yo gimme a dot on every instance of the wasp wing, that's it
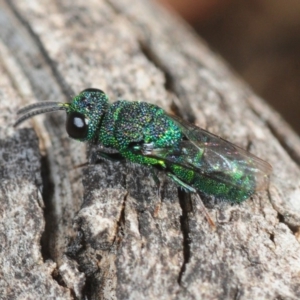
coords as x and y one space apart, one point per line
213 157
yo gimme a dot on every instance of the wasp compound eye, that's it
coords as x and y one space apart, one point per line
77 126
92 90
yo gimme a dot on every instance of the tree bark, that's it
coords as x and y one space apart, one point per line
102 231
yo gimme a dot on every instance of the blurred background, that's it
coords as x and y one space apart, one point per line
259 38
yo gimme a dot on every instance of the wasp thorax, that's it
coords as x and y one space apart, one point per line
85 113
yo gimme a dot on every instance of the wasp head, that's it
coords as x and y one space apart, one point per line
84 113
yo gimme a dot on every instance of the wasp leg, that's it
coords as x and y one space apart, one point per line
81 165
156 180
193 190
158 194
108 156
182 184
101 156
112 156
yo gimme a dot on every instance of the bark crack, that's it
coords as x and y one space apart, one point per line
291 152
65 88
50 219
150 55
47 194
185 111
283 127
186 207
281 218
121 222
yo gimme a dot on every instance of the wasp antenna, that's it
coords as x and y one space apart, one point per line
31 110
37 106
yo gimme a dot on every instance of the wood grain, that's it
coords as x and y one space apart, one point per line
102 231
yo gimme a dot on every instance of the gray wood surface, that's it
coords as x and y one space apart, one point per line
102 231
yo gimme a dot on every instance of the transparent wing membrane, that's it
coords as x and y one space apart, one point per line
214 157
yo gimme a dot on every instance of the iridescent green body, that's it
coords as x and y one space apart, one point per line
127 126
144 133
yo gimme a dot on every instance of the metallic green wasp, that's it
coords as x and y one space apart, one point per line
145 134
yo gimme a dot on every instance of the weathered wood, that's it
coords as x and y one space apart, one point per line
113 236
24 274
